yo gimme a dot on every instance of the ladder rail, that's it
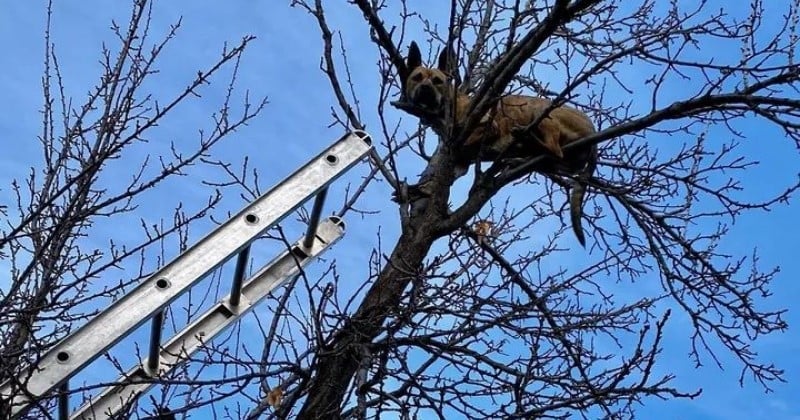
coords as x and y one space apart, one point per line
106 329
131 385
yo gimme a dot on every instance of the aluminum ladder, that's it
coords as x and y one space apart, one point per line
152 296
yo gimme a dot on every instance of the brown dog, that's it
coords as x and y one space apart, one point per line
505 131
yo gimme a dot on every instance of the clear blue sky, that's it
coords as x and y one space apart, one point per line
283 64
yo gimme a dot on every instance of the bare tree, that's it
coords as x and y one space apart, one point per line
457 323
88 176
471 313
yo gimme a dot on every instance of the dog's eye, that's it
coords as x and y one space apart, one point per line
417 77
437 80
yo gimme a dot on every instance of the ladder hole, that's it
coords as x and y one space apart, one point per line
332 159
62 357
162 283
251 218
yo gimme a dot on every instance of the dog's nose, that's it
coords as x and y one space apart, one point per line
426 96
426 89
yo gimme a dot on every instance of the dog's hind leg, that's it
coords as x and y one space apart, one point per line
549 134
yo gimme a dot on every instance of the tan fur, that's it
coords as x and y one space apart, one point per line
498 133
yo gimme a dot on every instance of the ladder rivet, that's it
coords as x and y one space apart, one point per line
251 218
162 283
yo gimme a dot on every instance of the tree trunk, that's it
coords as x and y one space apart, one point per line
338 362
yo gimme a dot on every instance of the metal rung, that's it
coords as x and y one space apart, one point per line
238 274
212 322
110 326
63 401
157 324
313 219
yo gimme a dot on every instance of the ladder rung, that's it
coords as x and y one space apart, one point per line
238 274
313 219
108 327
212 322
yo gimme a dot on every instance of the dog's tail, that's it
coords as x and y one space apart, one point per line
578 193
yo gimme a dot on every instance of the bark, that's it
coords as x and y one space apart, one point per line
341 358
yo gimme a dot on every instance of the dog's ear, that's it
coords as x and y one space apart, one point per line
414 59
447 62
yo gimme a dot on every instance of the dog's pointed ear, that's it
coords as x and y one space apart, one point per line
446 59
414 59
448 63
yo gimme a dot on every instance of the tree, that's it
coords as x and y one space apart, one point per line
448 333
455 321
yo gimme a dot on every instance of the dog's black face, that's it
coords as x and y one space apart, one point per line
426 87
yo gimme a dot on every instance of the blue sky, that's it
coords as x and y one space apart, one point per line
283 64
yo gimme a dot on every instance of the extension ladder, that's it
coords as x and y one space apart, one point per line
150 298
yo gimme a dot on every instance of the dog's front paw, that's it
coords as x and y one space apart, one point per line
400 195
409 193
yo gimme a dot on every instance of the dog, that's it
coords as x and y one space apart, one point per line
506 130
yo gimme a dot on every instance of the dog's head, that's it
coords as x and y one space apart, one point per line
427 87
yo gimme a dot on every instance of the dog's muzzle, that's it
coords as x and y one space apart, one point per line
427 97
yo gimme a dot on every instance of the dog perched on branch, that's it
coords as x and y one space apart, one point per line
516 127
